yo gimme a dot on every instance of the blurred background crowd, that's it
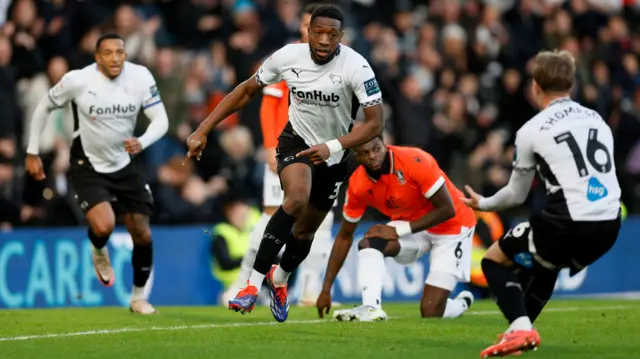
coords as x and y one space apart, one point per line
455 77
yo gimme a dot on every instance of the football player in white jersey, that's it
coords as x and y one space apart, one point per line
105 99
273 118
324 77
571 147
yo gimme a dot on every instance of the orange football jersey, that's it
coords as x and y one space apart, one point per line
403 193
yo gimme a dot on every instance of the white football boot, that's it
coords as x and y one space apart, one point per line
363 313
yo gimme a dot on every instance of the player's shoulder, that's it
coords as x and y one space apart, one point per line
290 53
136 71
359 181
351 54
83 74
407 156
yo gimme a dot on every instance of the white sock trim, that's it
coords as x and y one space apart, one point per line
280 277
521 323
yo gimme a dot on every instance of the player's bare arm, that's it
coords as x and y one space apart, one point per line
236 100
443 211
372 127
339 252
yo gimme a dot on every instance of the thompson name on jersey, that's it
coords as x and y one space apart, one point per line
322 96
105 112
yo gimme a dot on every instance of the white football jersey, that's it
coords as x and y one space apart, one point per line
321 107
571 147
105 111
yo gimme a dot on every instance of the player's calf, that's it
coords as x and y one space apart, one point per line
539 286
101 224
435 302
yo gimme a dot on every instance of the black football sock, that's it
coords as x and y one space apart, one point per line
539 291
98 242
274 238
142 261
506 286
296 252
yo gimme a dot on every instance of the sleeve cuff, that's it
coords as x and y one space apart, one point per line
435 187
351 219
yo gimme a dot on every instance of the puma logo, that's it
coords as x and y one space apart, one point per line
513 284
297 72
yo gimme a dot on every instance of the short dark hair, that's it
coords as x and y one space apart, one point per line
328 11
554 71
310 8
110 36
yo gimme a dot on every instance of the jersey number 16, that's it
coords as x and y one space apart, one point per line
593 145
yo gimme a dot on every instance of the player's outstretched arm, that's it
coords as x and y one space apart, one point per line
516 191
58 96
237 99
511 195
341 247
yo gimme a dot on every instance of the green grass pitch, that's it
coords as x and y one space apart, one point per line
569 329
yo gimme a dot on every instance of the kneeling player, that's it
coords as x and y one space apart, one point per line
407 185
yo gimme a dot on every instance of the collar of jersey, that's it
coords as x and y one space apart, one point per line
559 100
391 166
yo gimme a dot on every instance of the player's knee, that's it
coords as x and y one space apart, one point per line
141 235
103 228
375 243
294 203
303 233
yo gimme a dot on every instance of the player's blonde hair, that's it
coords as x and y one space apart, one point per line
554 71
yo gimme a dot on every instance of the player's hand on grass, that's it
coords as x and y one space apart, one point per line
317 154
323 303
34 167
196 143
473 201
132 145
382 231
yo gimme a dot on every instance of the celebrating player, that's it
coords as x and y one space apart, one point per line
407 185
105 99
324 77
274 114
571 147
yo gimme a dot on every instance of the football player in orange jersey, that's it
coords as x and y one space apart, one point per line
274 114
427 215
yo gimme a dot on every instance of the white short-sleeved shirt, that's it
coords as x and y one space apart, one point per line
322 96
571 147
105 111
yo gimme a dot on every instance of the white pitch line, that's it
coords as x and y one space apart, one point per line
254 324
561 309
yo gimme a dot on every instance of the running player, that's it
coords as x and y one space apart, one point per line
274 115
105 99
407 185
571 147
324 78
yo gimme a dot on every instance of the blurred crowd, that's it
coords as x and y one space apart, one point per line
454 75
